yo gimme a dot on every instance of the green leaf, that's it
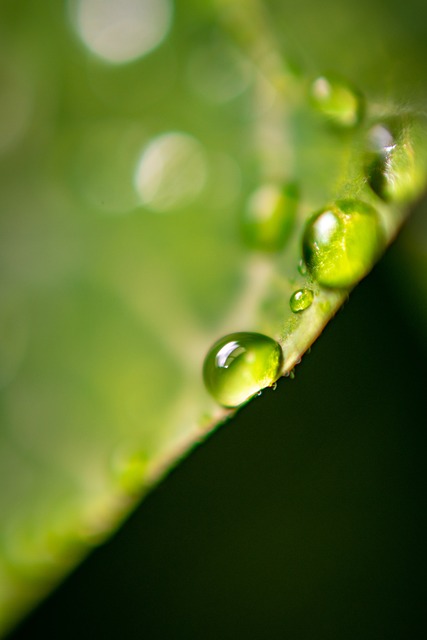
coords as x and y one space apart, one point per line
122 190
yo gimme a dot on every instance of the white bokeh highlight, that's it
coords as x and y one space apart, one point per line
171 172
119 31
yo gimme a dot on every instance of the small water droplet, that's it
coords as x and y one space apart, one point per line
269 217
240 365
292 374
337 100
302 268
342 242
396 158
301 300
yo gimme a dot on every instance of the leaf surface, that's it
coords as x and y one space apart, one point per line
122 191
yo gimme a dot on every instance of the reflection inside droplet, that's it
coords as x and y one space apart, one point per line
228 353
122 30
380 139
326 224
322 88
171 172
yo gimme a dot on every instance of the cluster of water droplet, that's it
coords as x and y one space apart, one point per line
340 243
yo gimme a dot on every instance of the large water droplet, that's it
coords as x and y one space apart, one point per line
342 242
301 300
337 101
396 159
269 217
239 365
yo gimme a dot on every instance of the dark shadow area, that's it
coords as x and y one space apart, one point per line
303 518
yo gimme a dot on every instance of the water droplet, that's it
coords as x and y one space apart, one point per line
171 172
269 217
292 374
396 159
119 31
240 365
301 300
337 100
342 242
302 268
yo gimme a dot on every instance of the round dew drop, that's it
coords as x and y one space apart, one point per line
337 101
239 365
269 217
341 243
301 300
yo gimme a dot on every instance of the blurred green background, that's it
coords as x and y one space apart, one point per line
123 169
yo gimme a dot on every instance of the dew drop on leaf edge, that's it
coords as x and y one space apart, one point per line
241 364
301 300
342 242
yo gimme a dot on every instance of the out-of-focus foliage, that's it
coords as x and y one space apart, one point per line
131 138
